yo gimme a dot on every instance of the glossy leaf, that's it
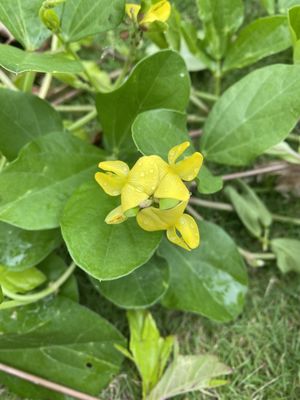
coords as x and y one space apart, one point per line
82 18
221 18
20 249
207 182
294 22
287 252
104 251
53 267
254 114
157 131
17 60
18 128
21 281
21 17
61 341
35 187
250 208
142 288
188 374
259 39
158 81
205 281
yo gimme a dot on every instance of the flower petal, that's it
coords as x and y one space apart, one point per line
158 12
155 219
176 151
132 10
111 184
146 173
116 216
172 187
174 238
117 167
189 168
188 229
132 197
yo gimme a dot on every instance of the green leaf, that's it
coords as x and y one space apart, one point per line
287 252
259 39
35 187
210 280
269 5
142 288
285 152
60 341
104 251
221 18
82 18
284 5
189 374
18 128
21 17
254 114
21 249
294 21
17 60
53 267
150 352
21 281
158 81
250 209
157 131
207 182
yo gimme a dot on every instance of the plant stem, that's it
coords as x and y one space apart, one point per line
48 77
36 380
289 220
206 95
257 171
218 80
75 108
23 299
198 103
28 81
83 121
3 162
294 138
194 119
6 81
124 71
194 213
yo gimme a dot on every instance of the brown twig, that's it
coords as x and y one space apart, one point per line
195 133
194 213
36 380
67 96
257 171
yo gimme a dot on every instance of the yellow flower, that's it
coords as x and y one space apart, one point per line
159 11
171 186
136 185
174 221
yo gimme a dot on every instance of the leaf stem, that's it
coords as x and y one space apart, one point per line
294 138
7 81
83 121
206 95
218 80
282 218
194 119
75 108
199 103
48 77
257 171
22 299
28 81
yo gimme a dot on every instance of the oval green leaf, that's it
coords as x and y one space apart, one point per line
104 251
158 81
142 288
18 128
253 115
21 249
210 280
35 187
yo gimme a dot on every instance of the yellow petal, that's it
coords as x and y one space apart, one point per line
158 12
116 216
111 184
189 233
155 219
176 152
132 10
172 187
146 174
117 167
132 197
189 168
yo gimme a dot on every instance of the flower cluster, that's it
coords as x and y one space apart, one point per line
153 191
